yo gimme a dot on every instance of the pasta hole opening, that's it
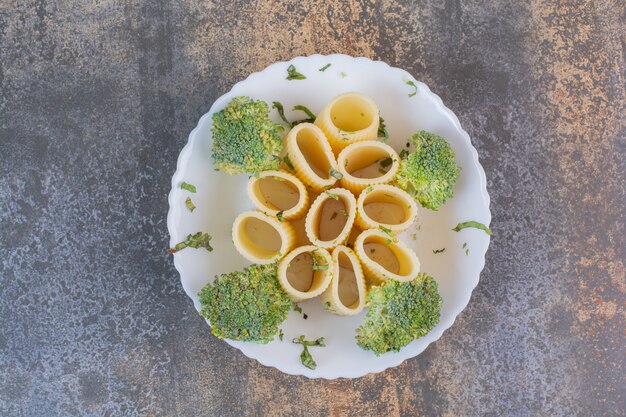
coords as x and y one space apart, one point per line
332 220
368 162
313 152
383 255
260 237
277 193
351 114
300 272
385 208
348 288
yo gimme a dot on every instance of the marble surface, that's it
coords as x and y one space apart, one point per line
97 99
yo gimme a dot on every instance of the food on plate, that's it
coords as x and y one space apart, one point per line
429 172
245 140
305 357
196 240
385 257
473 224
246 305
367 163
399 312
304 273
278 193
330 218
311 156
385 205
345 296
262 239
349 118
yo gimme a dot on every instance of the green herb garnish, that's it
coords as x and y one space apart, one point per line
279 216
389 232
335 173
473 224
384 163
287 162
327 305
281 111
382 129
369 189
334 215
189 187
317 265
412 84
197 240
332 195
325 67
436 251
190 205
308 112
297 308
464 245
404 153
466 252
280 334
292 74
305 356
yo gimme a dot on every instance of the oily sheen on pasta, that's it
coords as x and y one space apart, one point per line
305 272
274 192
345 295
367 163
349 118
330 218
262 239
387 206
311 156
384 257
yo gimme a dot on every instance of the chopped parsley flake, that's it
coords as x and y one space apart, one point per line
436 251
369 189
317 262
335 173
189 187
473 224
279 216
384 163
280 334
287 162
297 308
412 84
308 112
197 240
325 67
305 356
293 74
332 195
334 215
281 111
404 153
382 130
464 245
327 305
389 232
190 205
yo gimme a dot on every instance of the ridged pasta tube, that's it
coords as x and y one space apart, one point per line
305 272
345 295
385 257
364 164
385 205
349 118
330 218
278 193
262 239
311 156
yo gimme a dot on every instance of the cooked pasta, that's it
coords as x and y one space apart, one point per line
368 163
305 272
278 193
384 257
262 239
345 295
349 118
311 156
330 218
385 205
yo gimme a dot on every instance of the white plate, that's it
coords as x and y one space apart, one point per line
221 197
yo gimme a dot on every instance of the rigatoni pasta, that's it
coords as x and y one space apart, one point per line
305 272
385 205
349 118
278 193
330 218
345 295
261 238
368 163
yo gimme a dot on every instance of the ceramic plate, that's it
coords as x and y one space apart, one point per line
221 197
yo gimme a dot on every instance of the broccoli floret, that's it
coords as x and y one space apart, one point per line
399 312
246 305
245 140
429 173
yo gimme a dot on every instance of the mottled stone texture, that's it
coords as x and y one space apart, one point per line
98 98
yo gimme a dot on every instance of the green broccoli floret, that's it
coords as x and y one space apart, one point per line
399 312
245 140
246 305
429 173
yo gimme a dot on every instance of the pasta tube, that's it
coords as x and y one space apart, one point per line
305 272
364 164
330 218
262 239
278 193
385 205
345 295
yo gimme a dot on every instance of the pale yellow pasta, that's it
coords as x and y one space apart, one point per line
274 192
364 164
262 239
311 156
330 218
385 205
385 257
349 118
305 272
345 295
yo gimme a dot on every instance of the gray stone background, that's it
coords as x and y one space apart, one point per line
97 99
